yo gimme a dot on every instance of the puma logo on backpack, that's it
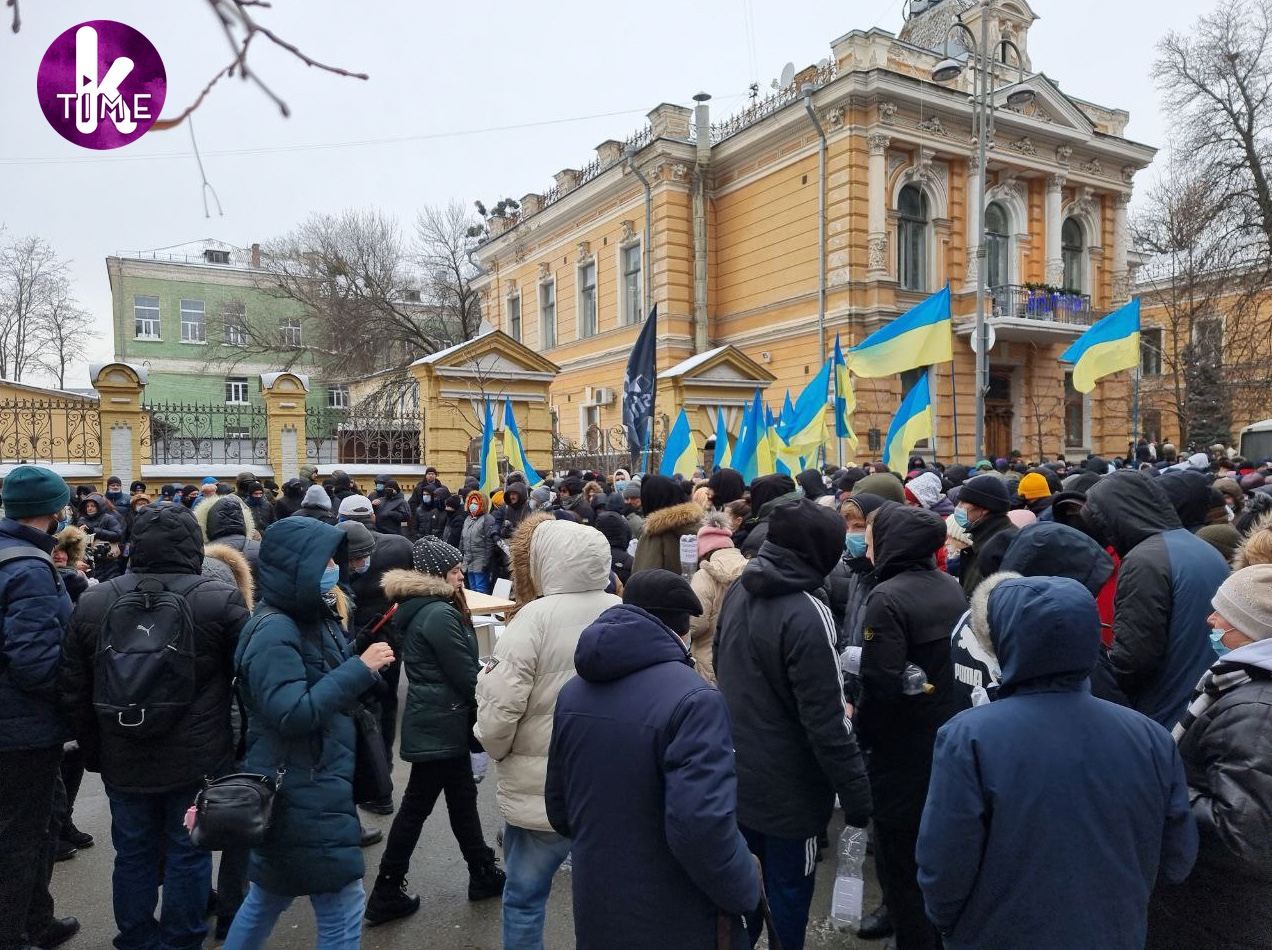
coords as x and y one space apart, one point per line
144 665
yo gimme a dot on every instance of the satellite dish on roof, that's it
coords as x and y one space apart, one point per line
788 75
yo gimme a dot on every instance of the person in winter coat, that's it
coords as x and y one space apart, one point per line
100 520
248 488
560 571
439 650
1035 491
317 505
453 508
726 485
926 489
619 536
908 618
151 777
666 520
430 516
515 509
226 521
298 682
292 497
1096 790
850 584
1168 576
775 663
1227 751
641 780
767 492
476 543
631 509
391 510
570 498
982 513
719 565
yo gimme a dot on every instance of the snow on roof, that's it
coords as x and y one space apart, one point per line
442 354
686 366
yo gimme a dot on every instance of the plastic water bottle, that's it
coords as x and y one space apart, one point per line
914 681
846 901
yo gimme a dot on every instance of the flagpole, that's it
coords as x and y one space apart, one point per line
954 401
1135 410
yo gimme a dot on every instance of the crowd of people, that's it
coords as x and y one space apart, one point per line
1044 687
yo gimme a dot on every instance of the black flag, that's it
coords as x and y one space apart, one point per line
638 385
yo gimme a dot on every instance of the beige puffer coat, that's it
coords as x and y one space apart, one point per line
710 582
568 565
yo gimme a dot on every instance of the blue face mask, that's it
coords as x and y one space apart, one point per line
855 543
363 568
61 525
1216 641
379 486
329 578
961 519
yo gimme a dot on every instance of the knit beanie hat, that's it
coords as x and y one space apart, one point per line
541 496
209 480
887 487
316 497
632 490
432 555
1245 600
355 506
361 541
1033 486
988 492
33 490
666 595
713 536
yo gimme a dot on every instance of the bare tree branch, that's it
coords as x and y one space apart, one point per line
17 16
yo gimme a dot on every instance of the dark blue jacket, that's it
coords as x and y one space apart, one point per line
640 776
299 682
1051 813
34 613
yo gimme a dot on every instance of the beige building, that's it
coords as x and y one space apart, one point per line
827 208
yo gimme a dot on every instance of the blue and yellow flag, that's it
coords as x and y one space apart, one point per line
489 457
921 337
746 449
1110 346
910 426
514 451
845 398
680 455
723 455
806 429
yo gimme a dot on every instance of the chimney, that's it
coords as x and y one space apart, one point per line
670 121
531 203
566 180
609 152
256 255
702 126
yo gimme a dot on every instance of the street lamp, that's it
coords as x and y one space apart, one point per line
983 94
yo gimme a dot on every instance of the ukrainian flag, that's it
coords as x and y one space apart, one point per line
680 455
910 426
922 337
722 453
514 451
1110 346
765 457
845 398
489 457
746 451
806 429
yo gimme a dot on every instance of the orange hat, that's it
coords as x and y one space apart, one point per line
1033 486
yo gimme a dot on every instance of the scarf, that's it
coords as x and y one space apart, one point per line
1219 679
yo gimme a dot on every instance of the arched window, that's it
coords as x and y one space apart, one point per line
997 244
912 229
1071 252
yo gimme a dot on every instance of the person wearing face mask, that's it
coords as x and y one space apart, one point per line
107 528
641 779
115 491
1226 746
982 512
391 510
476 542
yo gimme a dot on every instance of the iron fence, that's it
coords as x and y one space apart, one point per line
1042 303
349 437
604 449
187 433
51 431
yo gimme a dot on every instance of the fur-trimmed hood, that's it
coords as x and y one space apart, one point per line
403 583
73 542
218 518
239 569
522 583
678 518
979 618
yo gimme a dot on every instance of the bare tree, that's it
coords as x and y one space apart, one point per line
1043 406
444 244
65 332
30 276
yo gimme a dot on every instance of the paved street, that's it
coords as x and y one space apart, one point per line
447 921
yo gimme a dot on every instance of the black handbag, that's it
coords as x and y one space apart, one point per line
372 777
234 811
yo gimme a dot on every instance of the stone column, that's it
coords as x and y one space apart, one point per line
974 199
1055 261
125 427
877 241
1121 238
284 395
444 433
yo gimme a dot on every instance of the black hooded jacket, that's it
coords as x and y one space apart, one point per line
619 535
167 545
227 526
776 665
1189 493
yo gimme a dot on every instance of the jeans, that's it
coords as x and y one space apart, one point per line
148 832
789 866
27 780
454 777
531 858
899 881
478 581
339 916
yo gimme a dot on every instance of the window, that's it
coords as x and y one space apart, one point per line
908 378
514 317
1151 352
589 419
1208 341
547 315
289 331
216 257
236 389
234 317
1152 425
192 321
146 318
237 432
912 223
587 300
997 246
1071 253
1074 415
629 262
337 397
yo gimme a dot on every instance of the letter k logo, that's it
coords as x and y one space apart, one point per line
89 90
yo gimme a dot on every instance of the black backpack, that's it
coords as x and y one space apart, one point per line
144 665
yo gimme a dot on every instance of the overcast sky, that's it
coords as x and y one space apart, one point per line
485 101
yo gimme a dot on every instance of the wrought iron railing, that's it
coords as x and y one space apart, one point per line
51 431
604 449
357 437
1038 303
187 433
763 108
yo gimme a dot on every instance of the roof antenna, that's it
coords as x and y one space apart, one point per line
207 186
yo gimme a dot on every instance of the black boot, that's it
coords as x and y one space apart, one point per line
60 930
76 838
370 836
485 880
382 807
876 925
389 900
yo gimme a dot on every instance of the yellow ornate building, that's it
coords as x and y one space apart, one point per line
830 207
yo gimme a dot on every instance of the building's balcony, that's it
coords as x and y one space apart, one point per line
1032 315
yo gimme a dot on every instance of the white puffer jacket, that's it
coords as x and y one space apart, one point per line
568 565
